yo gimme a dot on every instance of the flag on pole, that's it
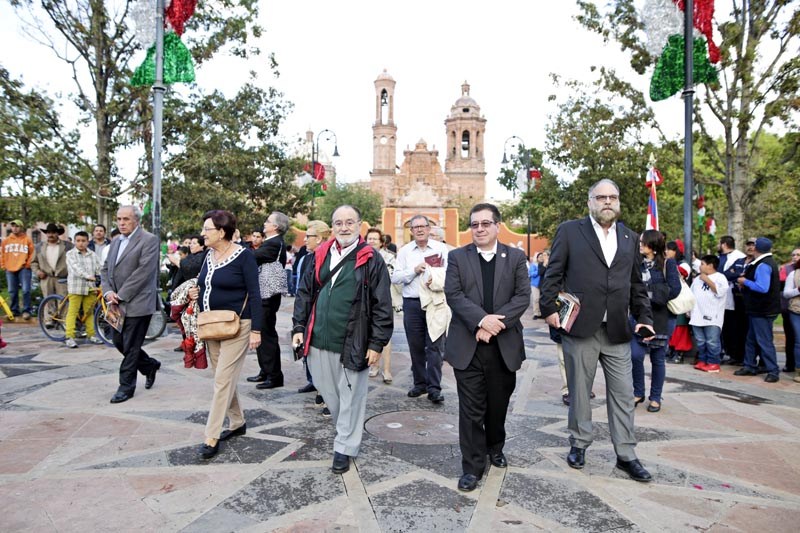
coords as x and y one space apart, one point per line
652 209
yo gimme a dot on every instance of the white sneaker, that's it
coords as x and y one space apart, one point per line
70 343
95 340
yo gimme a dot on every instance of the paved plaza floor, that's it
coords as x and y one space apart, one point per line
723 452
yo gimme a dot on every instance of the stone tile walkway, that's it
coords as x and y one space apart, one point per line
722 450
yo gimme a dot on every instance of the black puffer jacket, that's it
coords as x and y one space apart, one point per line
370 322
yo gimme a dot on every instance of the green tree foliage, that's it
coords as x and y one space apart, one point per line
607 130
355 194
95 38
32 160
223 154
759 87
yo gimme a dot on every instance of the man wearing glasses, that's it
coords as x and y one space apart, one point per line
272 249
413 260
343 317
487 290
597 260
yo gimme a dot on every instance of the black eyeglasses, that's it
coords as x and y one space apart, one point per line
415 228
602 198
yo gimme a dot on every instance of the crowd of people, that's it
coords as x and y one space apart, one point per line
638 297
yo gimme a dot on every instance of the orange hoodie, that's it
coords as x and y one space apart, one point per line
16 252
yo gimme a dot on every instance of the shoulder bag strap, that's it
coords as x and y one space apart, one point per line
244 305
334 270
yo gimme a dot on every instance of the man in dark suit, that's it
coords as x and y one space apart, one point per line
488 290
269 351
130 279
597 260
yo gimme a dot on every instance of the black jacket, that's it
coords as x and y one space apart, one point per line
371 320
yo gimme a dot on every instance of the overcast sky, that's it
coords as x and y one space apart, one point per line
329 54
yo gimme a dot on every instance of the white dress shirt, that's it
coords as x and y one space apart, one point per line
409 256
123 243
608 241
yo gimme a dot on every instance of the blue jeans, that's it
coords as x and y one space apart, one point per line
14 280
759 337
658 358
708 343
795 320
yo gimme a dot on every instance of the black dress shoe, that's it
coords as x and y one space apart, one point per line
257 379
228 433
744 371
151 376
308 388
468 482
415 393
788 369
436 397
772 378
120 397
178 349
270 384
576 458
207 452
498 459
341 463
635 470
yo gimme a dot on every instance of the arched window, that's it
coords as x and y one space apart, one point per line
384 107
465 144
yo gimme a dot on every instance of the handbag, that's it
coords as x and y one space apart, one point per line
683 302
218 325
272 279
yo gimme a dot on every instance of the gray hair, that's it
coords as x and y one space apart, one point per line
601 182
281 222
347 206
137 212
438 231
415 217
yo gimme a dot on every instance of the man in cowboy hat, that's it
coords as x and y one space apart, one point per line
16 254
50 261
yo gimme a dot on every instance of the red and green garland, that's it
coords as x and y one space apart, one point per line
178 66
663 21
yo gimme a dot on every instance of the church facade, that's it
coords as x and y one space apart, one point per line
419 185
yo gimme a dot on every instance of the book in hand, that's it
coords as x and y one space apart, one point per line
434 260
568 308
115 316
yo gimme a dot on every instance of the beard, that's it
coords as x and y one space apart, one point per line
346 240
605 216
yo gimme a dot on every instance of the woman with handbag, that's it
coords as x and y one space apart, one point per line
661 277
229 320
791 291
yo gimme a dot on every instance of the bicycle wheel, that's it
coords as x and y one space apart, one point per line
53 317
158 322
102 328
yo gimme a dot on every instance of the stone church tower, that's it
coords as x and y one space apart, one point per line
418 185
464 163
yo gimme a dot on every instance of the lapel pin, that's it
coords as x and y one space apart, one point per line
503 254
626 236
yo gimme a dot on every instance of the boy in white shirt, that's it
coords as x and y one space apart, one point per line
83 270
710 289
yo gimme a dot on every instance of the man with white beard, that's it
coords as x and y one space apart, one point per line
343 316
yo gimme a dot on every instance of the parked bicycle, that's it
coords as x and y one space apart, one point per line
53 319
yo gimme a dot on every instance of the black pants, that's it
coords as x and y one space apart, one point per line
426 354
484 390
269 351
129 344
734 332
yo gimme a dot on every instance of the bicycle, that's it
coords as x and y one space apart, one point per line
53 319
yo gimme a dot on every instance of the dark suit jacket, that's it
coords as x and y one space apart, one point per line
271 250
463 288
135 276
577 264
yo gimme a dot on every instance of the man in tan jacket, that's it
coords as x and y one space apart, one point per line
50 261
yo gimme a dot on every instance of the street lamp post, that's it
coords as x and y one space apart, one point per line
525 158
315 154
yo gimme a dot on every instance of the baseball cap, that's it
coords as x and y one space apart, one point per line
751 240
16 222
